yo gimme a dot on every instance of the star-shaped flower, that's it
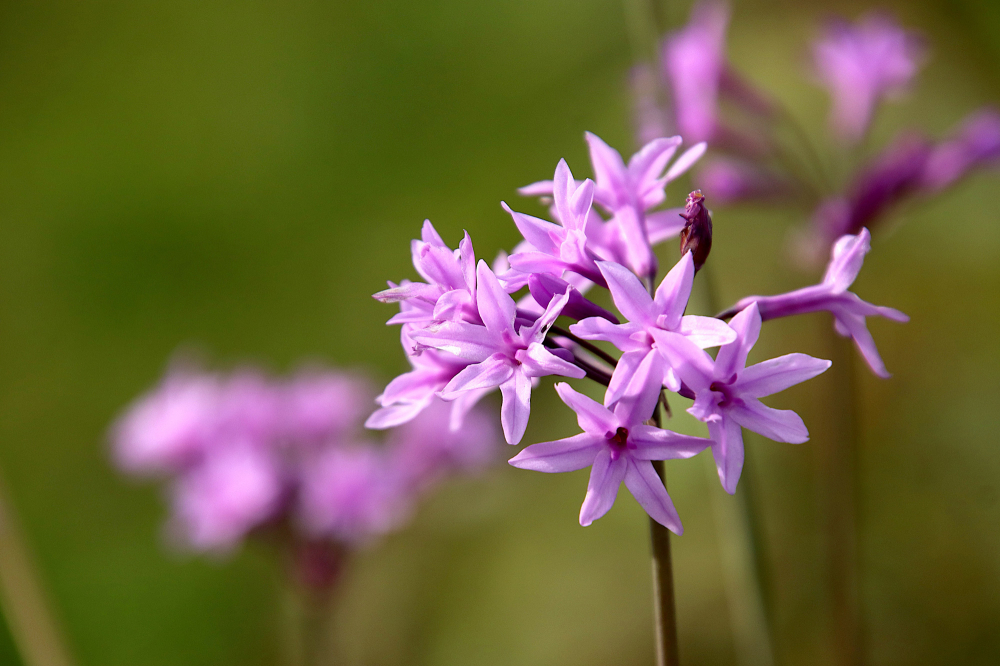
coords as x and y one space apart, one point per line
617 446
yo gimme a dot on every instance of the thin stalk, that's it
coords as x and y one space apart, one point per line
35 631
840 469
745 569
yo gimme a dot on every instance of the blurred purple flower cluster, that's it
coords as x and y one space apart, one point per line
860 65
244 452
466 335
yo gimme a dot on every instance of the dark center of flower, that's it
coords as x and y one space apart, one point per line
620 438
724 388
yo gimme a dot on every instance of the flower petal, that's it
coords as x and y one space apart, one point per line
846 260
673 293
516 408
642 391
733 357
692 364
620 335
496 307
606 476
663 225
609 171
490 373
706 331
467 341
686 161
537 361
592 416
563 455
659 444
781 425
629 295
777 374
542 235
856 327
626 368
727 451
648 490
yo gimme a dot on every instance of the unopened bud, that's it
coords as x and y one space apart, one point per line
696 236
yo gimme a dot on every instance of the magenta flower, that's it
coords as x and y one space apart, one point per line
499 354
449 292
640 370
628 194
351 495
848 310
861 64
320 405
235 488
410 393
617 446
726 392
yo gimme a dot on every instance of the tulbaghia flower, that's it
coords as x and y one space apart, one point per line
860 64
694 61
726 392
425 450
848 310
167 429
320 405
628 193
499 354
351 495
617 446
450 288
235 488
975 143
641 370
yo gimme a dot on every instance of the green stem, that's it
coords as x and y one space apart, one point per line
32 624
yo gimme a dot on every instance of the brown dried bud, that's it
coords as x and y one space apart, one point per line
697 233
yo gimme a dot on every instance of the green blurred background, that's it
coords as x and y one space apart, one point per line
241 176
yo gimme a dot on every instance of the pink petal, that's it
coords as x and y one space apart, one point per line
496 307
592 416
490 373
733 357
648 490
728 451
695 367
542 188
781 425
686 161
466 341
642 391
397 414
468 259
664 225
706 331
629 295
673 293
537 262
598 328
516 407
609 171
537 361
646 165
430 235
658 444
564 455
846 259
542 235
626 368
777 374
605 478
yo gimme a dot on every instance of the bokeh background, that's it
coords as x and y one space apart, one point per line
239 177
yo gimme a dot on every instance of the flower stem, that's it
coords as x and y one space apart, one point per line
665 611
32 625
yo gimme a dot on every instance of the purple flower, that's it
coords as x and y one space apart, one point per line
320 405
848 310
726 392
860 64
449 292
975 143
351 495
694 61
731 180
410 393
617 446
628 194
425 450
640 370
499 354
167 429
235 488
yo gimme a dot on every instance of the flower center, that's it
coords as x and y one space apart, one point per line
725 389
618 442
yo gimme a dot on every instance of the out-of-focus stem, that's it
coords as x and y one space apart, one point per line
32 624
839 469
738 531
664 608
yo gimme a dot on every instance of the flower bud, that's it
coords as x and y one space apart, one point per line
697 233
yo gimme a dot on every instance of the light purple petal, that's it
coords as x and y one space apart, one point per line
658 444
542 235
858 330
537 361
564 455
468 261
606 477
537 331
430 235
686 161
542 188
626 368
538 262
706 331
466 341
592 416
609 171
490 373
694 367
648 490
620 335
635 242
733 357
777 374
663 225
846 259
461 406
397 414
674 291
496 307
642 391
727 451
781 425
516 408
629 295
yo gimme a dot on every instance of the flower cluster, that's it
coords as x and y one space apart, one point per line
245 452
860 65
465 333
